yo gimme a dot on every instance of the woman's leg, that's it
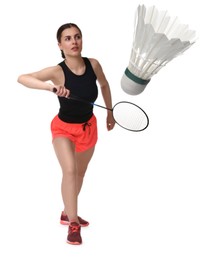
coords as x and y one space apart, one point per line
65 151
82 161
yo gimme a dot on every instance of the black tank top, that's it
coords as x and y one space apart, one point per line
83 86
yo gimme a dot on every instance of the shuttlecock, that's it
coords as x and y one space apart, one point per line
158 38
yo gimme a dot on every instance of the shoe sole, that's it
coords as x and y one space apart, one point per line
62 222
74 243
66 223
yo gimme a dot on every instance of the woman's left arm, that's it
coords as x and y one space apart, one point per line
105 90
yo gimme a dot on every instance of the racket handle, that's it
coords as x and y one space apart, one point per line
54 90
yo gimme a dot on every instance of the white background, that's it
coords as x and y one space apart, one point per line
144 193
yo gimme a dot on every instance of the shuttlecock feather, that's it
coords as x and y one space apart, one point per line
158 38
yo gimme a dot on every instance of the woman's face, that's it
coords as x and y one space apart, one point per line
71 42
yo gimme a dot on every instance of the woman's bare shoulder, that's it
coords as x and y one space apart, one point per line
53 73
95 64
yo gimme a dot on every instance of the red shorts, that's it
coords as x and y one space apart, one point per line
83 135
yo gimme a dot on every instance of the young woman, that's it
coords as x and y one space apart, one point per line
74 128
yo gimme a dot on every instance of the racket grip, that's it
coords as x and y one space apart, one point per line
54 90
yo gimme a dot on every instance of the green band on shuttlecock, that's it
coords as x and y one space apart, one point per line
135 78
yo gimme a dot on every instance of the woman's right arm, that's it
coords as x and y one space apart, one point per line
39 79
43 80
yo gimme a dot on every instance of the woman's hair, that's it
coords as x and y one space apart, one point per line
61 29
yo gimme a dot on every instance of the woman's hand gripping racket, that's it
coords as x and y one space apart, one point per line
126 114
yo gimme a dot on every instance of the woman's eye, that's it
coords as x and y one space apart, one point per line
77 37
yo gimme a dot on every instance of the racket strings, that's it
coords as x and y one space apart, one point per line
130 116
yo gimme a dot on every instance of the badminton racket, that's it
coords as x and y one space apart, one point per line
126 114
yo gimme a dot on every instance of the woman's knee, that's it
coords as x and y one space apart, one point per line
69 172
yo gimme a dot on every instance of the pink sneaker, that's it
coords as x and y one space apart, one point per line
65 221
74 236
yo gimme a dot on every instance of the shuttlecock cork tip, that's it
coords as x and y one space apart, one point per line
131 84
